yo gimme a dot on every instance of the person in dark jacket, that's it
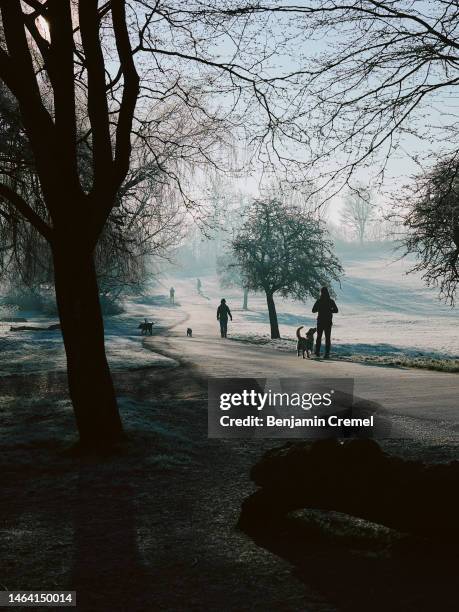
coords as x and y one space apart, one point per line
222 315
325 308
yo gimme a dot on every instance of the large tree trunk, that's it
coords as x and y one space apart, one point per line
90 382
245 300
272 316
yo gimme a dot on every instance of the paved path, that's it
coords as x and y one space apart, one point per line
422 400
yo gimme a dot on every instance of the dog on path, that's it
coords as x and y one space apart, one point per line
305 344
146 328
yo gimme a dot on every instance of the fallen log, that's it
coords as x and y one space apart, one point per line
53 327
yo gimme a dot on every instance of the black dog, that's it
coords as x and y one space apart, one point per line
146 328
189 332
305 345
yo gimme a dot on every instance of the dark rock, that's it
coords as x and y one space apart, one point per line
356 478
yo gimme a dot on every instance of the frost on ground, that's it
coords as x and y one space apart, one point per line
43 351
44 425
385 316
375 354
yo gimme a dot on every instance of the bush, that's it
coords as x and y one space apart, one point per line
110 305
23 299
43 300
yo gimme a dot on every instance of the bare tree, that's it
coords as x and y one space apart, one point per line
83 67
358 211
382 66
282 251
385 72
145 223
430 219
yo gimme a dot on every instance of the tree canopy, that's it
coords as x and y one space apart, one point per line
283 250
429 217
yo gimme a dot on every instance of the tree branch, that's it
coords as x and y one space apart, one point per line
26 211
130 91
97 99
60 21
17 71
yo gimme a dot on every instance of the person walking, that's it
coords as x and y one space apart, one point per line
325 308
172 295
222 315
198 285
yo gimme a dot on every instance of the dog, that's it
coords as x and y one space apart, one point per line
146 328
189 332
305 345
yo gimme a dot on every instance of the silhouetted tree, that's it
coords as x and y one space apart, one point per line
430 218
76 69
386 65
145 221
283 251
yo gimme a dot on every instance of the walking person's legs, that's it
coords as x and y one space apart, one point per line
319 340
223 327
327 331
